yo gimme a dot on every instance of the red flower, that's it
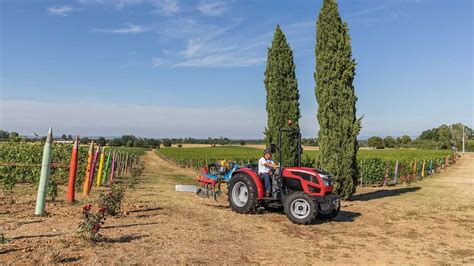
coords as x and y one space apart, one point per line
102 210
87 208
95 228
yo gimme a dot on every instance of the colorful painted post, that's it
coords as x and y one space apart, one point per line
45 172
106 170
395 172
72 172
415 170
101 166
85 190
431 167
94 163
112 171
423 169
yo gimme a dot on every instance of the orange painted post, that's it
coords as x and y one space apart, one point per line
94 163
72 172
85 190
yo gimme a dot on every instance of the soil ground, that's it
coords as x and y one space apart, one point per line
429 222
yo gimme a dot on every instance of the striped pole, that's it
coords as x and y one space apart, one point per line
85 190
106 170
94 163
45 172
101 166
72 172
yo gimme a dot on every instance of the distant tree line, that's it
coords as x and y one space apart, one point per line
442 137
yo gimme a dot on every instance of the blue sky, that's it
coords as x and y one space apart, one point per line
175 68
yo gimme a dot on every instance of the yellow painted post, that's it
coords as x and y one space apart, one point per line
101 167
423 169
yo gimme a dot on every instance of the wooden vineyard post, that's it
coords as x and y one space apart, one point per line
112 171
72 172
45 172
385 179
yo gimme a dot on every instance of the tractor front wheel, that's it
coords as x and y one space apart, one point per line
300 208
242 194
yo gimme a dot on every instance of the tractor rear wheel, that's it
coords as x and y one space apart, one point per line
300 208
242 194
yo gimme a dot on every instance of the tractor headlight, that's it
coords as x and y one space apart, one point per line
327 180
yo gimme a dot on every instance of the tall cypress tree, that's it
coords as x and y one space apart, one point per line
339 127
282 96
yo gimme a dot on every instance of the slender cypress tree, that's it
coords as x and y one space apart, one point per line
282 96
339 127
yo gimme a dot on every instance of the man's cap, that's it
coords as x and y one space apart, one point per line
267 151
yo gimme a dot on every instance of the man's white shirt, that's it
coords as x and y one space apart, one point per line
262 169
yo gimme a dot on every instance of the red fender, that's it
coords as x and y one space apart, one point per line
256 180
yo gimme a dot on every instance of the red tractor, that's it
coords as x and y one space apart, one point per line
304 193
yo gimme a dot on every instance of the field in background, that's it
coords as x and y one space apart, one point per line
374 166
251 154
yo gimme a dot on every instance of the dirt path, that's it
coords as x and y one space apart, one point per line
429 222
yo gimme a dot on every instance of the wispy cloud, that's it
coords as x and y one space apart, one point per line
128 29
161 7
212 8
115 3
156 61
62 11
165 7
222 60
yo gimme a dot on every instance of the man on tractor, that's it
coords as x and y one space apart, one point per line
265 167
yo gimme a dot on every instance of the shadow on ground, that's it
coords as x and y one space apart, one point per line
383 193
128 225
124 239
146 210
34 236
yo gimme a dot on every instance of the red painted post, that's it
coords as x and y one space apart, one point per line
72 172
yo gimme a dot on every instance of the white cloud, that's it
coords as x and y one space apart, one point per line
210 8
129 28
156 61
222 60
141 120
166 7
61 11
193 47
115 3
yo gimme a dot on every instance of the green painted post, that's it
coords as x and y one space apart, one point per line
107 165
45 171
